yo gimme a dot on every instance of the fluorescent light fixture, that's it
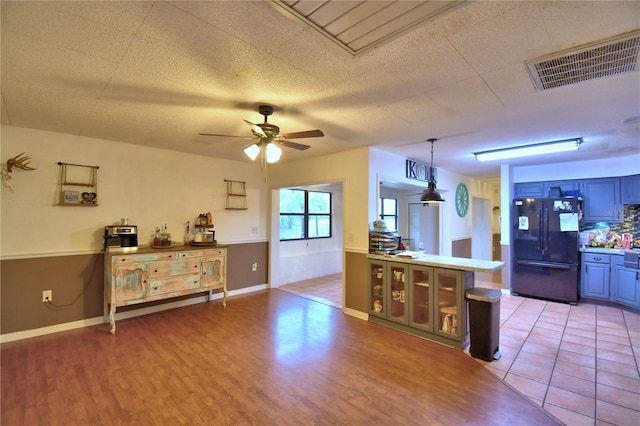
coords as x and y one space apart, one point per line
252 151
528 150
273 153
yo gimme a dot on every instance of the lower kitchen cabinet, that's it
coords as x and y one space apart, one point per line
625 284
595 275
604 277
377 288
422 300
397 293
148 275
421 297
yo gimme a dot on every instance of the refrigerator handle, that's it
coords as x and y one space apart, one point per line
540 230
546 229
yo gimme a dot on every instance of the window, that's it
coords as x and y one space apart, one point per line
389 212
304 214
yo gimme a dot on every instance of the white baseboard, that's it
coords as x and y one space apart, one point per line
356 314
19 335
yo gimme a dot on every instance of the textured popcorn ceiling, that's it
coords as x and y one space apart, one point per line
160 73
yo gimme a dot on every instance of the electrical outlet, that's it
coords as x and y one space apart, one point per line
47 296
254 266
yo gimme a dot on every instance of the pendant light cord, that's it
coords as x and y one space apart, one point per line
431 168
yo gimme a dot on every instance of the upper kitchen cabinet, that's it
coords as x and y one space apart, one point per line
529 190
631 189
545 189
602 200
568 187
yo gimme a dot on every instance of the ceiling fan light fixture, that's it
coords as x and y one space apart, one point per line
431 195
529 150
273 152
252 151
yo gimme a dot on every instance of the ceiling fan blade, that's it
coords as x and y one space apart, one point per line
257 130
293 145
306 134
225 136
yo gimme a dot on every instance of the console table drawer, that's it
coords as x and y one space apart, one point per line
176 284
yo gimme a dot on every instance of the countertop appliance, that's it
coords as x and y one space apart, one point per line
545 248
120 236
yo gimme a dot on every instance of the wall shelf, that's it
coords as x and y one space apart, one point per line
76 176
236 195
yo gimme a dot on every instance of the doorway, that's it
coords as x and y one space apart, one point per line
311 268
424 226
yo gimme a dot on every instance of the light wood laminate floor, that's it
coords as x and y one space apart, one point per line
580 363
268 358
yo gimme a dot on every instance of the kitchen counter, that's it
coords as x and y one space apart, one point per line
458 263
603 250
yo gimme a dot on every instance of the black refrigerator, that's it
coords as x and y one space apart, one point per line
545 238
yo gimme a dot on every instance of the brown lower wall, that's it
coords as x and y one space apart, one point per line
355 277
461 248
81 277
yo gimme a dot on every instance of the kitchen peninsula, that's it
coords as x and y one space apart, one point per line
424 295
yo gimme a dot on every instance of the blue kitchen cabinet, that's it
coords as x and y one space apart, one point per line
595 276
631 189
529 190
542 189
602 200
566 186
625 283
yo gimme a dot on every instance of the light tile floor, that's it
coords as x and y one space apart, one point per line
581 363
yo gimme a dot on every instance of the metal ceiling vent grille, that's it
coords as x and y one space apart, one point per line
613 56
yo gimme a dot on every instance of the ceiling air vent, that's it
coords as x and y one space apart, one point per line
613 56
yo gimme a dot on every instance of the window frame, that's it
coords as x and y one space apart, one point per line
306 215
383 215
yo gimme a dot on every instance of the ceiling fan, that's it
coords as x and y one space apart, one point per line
269 137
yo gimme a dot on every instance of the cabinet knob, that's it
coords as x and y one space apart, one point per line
170 256
597 258
155 270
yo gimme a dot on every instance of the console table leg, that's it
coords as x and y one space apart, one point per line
112 319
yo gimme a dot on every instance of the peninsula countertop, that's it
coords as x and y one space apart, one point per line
459 263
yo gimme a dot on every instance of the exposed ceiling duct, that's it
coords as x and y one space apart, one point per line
615 55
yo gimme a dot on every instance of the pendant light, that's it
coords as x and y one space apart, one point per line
431 194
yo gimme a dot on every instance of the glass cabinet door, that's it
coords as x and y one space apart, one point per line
377 278
448 301
397 295
421 297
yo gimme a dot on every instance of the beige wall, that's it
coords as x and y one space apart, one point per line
148 186
351 169
49 247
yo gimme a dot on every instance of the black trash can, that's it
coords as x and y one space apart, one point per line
484 322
